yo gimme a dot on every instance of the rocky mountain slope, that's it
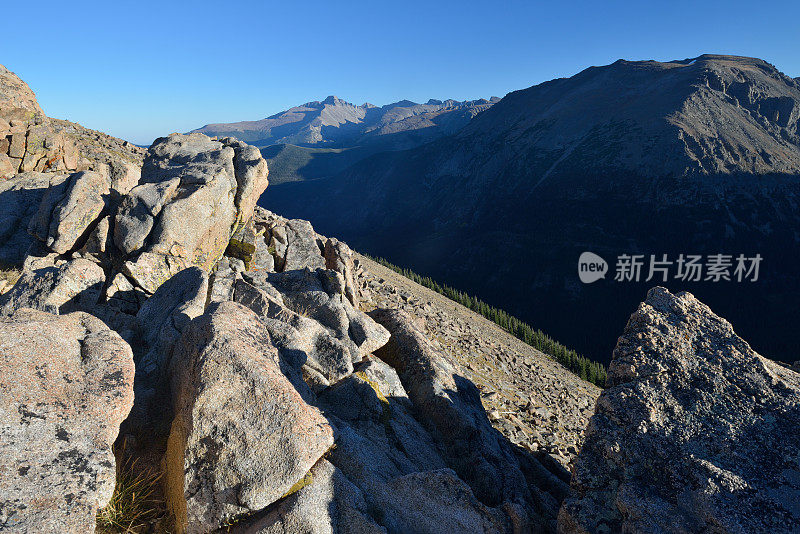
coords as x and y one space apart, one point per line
688 157
526 395
266 379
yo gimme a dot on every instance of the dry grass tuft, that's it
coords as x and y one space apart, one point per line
304 309
136 502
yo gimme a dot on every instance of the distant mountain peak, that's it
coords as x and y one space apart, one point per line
401 104
336 122
712 114
333 100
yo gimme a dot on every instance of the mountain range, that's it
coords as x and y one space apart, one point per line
320 139
177 358
697 156
334 122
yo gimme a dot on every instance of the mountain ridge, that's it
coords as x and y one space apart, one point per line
633 157
336 122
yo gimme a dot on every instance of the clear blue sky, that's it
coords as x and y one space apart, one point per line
143 69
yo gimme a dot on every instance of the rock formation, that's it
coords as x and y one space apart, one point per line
695 432
30 141
26 141
256 375
451 406
20 202
281 383
193 195
529 398
46 150
72 285
242 435
66 385
165 315
309 316
331 504
63 231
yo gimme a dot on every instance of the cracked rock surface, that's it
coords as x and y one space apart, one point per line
695 433
242 435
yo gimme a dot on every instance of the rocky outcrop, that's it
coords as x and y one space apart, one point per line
67 211
31 141
695 433
61 229
242 436
388 447
339 258
72 286
66 385
120 160
302 249
194 195
310 318
15 95
327 504
530 398
251 176
392 458
27 141
37 155
439 501
167 313
20 198
451 407
134 249
195 192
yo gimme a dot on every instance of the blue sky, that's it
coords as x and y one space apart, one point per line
143 69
